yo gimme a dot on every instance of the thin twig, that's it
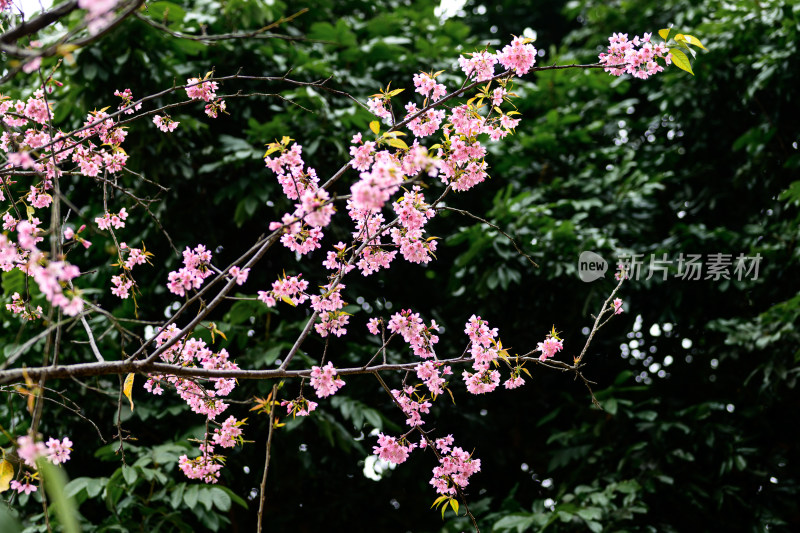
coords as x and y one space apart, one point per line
268 453
506 235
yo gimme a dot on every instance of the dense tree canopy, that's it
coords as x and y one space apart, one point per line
694 382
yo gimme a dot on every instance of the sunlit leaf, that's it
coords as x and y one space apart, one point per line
127 388
680 60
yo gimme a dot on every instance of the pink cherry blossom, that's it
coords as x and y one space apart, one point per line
324 380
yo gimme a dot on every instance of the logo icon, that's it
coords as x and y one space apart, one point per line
591 266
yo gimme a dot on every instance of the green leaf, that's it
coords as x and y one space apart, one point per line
595 527
165 12
13 281
590 513
680 60
374 418
204 497
55 481
519 521
129 474
177 495
221 499
8 524
235 498
75 486
610 406
191 495
114 489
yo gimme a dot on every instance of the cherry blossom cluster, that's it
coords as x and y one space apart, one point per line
484 351
389 449
205 467
335 260
70 234
191 352
412 405
636 57
196 268
23 309
329 305
430 374
413 213
56 451
122 283
617 305
455 468
229 434
111 219
127 102
377 106
519 56
483 380
165 123
427 86
549 347
216 107
92 159
290 289
51 276
324 380
424 125
414 331
206 91
299 406
30 450
239 275
100 13
201 90
302 229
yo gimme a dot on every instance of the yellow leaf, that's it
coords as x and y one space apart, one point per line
260 404
6 475
437 501
375 126
691 39
288 301
65 49
127 388
397 143
454 505
680 60
664 33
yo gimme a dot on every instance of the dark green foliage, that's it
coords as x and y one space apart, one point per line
706 164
